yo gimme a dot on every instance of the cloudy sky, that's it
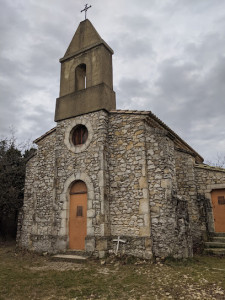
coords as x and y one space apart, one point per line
169 58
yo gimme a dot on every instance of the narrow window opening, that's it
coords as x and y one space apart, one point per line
221 200
80 77
79 211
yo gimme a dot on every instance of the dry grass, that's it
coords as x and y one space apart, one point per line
29 276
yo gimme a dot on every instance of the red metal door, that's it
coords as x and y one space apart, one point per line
218 203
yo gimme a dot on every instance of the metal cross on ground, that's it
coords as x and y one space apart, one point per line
85 9
118 240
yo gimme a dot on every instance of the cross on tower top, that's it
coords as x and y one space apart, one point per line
85 9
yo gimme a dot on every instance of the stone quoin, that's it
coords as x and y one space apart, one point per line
128 175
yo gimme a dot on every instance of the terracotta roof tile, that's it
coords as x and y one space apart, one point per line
153 116
134 112
207 167
44 135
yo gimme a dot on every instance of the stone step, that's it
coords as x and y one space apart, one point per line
70 258
214 245
215 251
77 252
217 234
219 239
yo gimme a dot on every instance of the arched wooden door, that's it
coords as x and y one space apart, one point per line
218 203
78 216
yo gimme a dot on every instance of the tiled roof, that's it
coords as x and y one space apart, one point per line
44 135
144 113
133 112
207 167
32 155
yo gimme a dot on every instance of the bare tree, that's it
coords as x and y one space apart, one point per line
219 161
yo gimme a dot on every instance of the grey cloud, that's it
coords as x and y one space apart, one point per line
198 7
195 106
206 52
132 93
34 122
131 48
136 24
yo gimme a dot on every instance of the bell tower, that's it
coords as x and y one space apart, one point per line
86 83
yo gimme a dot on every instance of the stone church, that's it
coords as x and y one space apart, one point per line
104 174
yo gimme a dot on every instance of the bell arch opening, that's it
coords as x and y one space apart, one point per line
80 77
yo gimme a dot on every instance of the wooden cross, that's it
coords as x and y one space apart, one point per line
118 240
85 9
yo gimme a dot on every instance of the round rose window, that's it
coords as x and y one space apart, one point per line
79 135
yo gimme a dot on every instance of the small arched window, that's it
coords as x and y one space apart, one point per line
80 77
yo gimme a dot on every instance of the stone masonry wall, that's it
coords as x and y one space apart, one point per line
51 173
186 183
129 169
87 163
36 216
169 214
208 176
129 198
127 158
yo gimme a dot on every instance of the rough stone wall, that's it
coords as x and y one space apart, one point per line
129 197
206 177
36 216
129 169
88 165
143 191
126 166
56 165
169 215
186 183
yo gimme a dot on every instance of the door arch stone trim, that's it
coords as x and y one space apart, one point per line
65 198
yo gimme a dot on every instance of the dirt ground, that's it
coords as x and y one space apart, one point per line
25 275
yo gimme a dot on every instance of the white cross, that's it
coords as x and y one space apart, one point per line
118 240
